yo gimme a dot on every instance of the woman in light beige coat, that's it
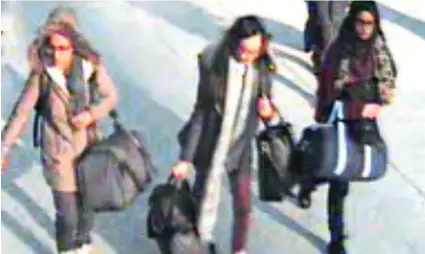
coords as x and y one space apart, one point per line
64 64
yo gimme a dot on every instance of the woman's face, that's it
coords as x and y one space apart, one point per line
62 50
364 25
251 48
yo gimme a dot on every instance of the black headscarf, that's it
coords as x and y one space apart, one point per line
350 44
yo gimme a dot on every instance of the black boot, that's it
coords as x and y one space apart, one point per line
337 193
308 185
337 247
209 248
304 198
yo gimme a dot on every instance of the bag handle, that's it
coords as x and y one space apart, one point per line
93 91
337 115
175 182
337 112
113 115
178 184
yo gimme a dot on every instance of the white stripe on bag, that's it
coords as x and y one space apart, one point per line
367 161
342 150
337 113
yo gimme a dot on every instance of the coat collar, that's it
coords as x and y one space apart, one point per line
59 79
218 72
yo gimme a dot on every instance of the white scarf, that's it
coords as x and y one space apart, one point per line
234 121
59 78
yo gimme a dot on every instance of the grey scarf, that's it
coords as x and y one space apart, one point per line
238 95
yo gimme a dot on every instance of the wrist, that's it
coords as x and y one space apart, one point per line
185 162
91 115
4 150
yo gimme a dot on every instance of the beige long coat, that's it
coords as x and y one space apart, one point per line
59 150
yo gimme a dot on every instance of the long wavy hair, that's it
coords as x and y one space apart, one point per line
244 27
40 52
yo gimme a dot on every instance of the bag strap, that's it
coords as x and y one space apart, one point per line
40 107
337 112
337 115
93 91
178 184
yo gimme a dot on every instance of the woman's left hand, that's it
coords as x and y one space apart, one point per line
83 119
265 108
371 110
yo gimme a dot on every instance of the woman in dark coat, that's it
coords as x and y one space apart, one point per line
359 70
217 138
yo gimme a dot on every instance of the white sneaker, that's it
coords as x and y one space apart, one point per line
85 249
75 251
240 252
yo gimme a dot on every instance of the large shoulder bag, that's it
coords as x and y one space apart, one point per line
343 150
113 171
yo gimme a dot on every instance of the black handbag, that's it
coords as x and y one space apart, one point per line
172 218
113 171
173 209
276 174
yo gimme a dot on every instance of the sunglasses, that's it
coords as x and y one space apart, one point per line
247 51
61 48
365 22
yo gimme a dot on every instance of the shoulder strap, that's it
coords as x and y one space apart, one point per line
40 107
93 91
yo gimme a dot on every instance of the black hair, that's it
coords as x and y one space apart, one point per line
243 27
348 26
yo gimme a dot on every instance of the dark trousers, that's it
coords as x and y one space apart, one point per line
338 191
73 223
240 181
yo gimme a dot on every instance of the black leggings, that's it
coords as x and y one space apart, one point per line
73 224
338 191
336 199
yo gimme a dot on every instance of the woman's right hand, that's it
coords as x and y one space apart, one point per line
181 169
4 164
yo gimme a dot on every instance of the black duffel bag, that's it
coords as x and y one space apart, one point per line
343 150
276 176
173 209
172 218
114 170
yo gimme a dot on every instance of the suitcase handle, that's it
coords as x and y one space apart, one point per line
175 182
